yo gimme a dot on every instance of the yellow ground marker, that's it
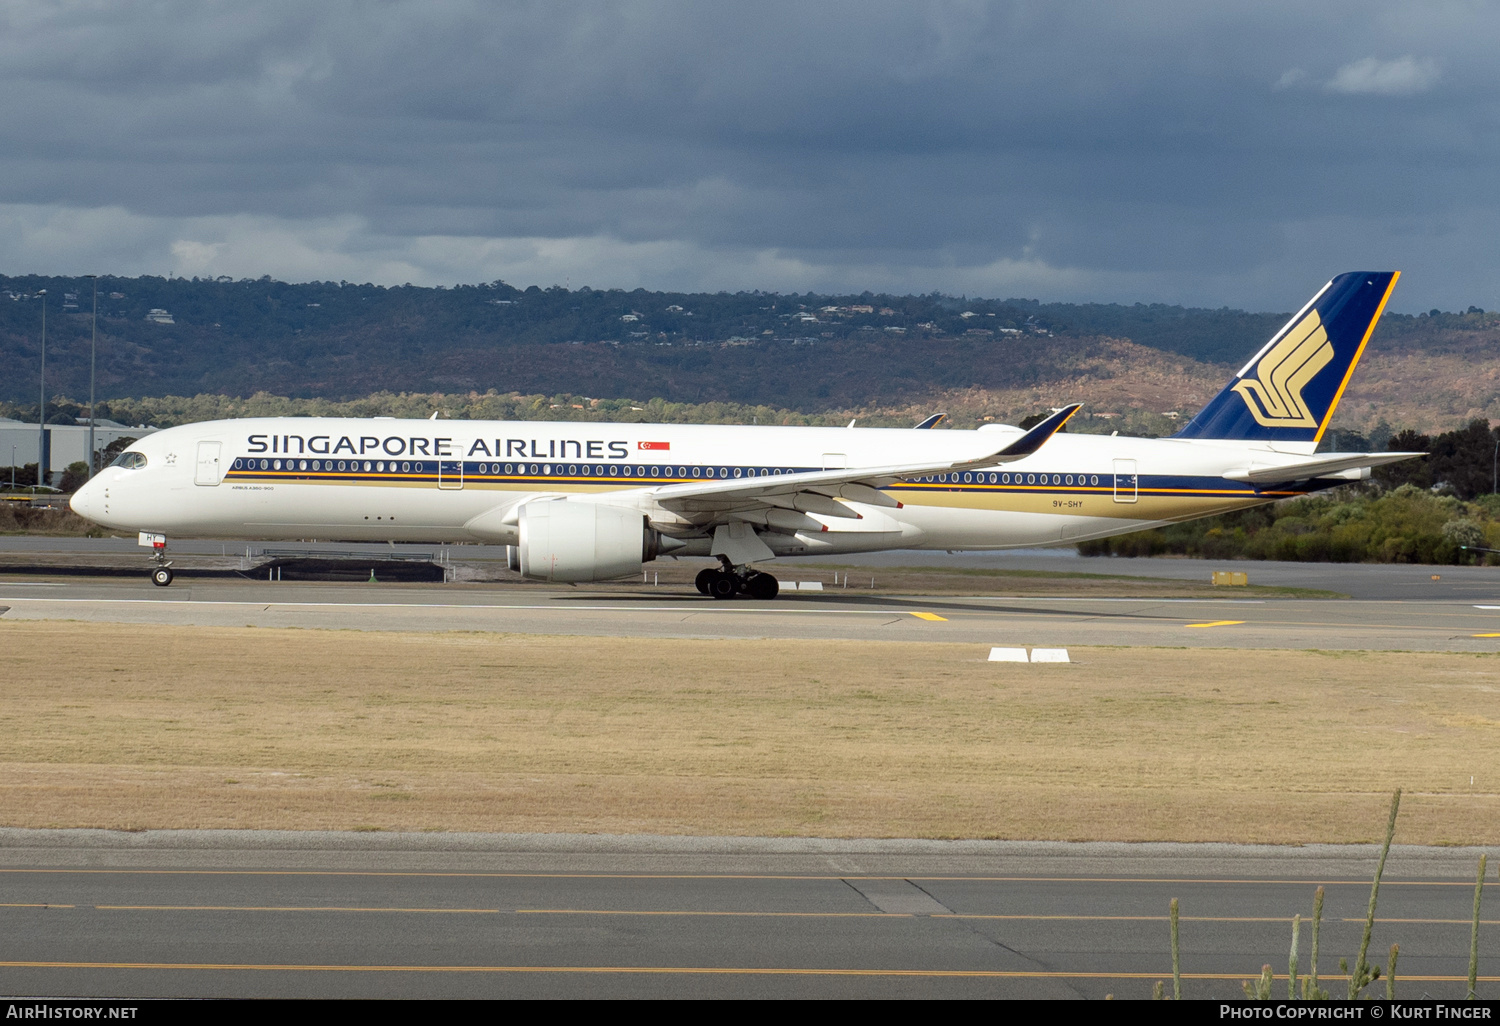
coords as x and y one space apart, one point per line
930 616
1485 635
1216 623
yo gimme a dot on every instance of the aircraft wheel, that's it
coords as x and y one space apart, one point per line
762 586
161 577
722 585
704 579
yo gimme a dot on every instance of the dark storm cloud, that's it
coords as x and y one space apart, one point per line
1204 153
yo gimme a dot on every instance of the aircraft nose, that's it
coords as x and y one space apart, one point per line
85 500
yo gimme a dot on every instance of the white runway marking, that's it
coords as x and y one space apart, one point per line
914 599
449 605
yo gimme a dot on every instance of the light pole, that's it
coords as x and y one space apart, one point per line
93 345
13 468
41 410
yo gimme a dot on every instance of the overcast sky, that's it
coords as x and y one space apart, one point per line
1209 154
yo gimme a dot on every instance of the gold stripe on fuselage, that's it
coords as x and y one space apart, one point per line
1148 504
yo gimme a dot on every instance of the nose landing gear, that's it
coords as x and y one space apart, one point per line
161 567
731 581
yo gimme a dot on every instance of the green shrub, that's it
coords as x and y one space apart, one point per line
1355 524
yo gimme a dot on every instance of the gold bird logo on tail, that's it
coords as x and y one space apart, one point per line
1274 394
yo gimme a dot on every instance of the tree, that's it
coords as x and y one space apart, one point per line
75 477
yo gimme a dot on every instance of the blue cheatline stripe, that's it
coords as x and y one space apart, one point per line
544 473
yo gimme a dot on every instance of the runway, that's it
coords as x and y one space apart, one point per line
1382 581
249 914
1467 625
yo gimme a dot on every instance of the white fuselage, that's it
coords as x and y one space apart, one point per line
453 481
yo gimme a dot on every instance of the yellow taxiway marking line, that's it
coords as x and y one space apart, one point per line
1307 881
654 970
1485 635
671 912
496 911
1191 919
1215 623
289 908
1020 917
930 616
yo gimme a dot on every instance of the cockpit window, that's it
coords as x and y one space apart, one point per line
130 460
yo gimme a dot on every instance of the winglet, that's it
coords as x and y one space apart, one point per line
1034 439
932 421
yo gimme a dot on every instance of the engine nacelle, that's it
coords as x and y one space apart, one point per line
582 541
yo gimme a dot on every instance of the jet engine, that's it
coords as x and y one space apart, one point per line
582 541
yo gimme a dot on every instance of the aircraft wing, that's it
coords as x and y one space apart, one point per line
814 491
1323 466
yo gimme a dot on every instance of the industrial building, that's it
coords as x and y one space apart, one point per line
62 444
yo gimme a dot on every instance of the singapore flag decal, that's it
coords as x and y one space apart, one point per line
654 445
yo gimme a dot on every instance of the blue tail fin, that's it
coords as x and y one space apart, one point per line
1289 390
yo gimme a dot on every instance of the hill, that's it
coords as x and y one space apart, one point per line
810 353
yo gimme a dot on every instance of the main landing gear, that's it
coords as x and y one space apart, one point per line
730 581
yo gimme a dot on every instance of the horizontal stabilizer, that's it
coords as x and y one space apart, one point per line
1323 466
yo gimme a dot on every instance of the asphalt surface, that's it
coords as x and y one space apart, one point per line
260 914
1466 625
1386 582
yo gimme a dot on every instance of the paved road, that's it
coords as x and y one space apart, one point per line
1435 625
1358 580
274 914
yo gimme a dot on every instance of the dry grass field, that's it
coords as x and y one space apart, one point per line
136 727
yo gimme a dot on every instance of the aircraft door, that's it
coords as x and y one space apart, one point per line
450 474
1127 484
206 471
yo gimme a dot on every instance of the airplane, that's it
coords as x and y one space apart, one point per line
577 502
